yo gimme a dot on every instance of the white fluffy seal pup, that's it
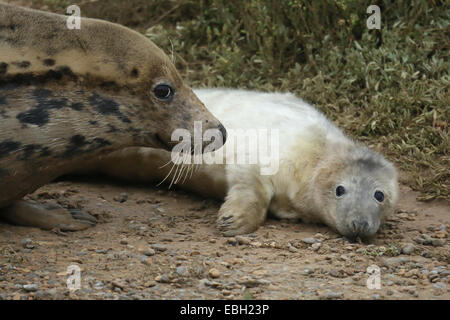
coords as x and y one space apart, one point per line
321 174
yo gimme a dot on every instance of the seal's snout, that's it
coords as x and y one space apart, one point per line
359 227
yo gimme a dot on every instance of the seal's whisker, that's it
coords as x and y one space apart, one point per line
168 174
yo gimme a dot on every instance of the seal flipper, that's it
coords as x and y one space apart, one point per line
244 210
46 216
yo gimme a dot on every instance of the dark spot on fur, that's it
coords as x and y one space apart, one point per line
78 106
107 106
42 93
39 114
48 62
187 117
8 146
31 78
11 27
8 86
111 128
135 73
22 64
45 152
36 116
79 145
3 68
30 149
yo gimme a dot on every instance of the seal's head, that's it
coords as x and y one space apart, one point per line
355 191
125 73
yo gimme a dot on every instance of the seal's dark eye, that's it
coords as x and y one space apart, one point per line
340 190
163 92
379 196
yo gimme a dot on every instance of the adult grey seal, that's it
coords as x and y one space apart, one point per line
67 96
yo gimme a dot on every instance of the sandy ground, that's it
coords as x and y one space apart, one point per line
158 244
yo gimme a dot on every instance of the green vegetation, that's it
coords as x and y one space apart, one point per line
387 88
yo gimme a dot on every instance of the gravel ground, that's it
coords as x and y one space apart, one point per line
158 244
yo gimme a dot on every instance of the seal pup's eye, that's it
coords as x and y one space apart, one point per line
340 190
379 196
163 92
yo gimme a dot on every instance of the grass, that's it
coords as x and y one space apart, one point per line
388 88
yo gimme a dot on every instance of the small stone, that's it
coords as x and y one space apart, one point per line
334 273
226 292
27 243
309 240
291 248
183 271
438 242
307 271
121 198
147 260
31 287
232 241
214 273
117 284
242 240
163 278
393 262
159 247
316 246
124 242
408 248
376 296
330 295
145 250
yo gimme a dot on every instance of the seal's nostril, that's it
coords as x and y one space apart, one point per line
354 226
364 226
224 133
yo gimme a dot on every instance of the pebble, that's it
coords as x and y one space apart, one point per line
159 247
316 246
394 261
147 251
423 239
121 198
438 242
331 295
118 284
183 271
27 243
214 273
291 248
31 287
307 271
164 278
310 240
408 248
334 273
242 240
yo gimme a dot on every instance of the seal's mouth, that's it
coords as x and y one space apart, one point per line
161 143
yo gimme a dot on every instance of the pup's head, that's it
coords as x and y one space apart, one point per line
355 190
